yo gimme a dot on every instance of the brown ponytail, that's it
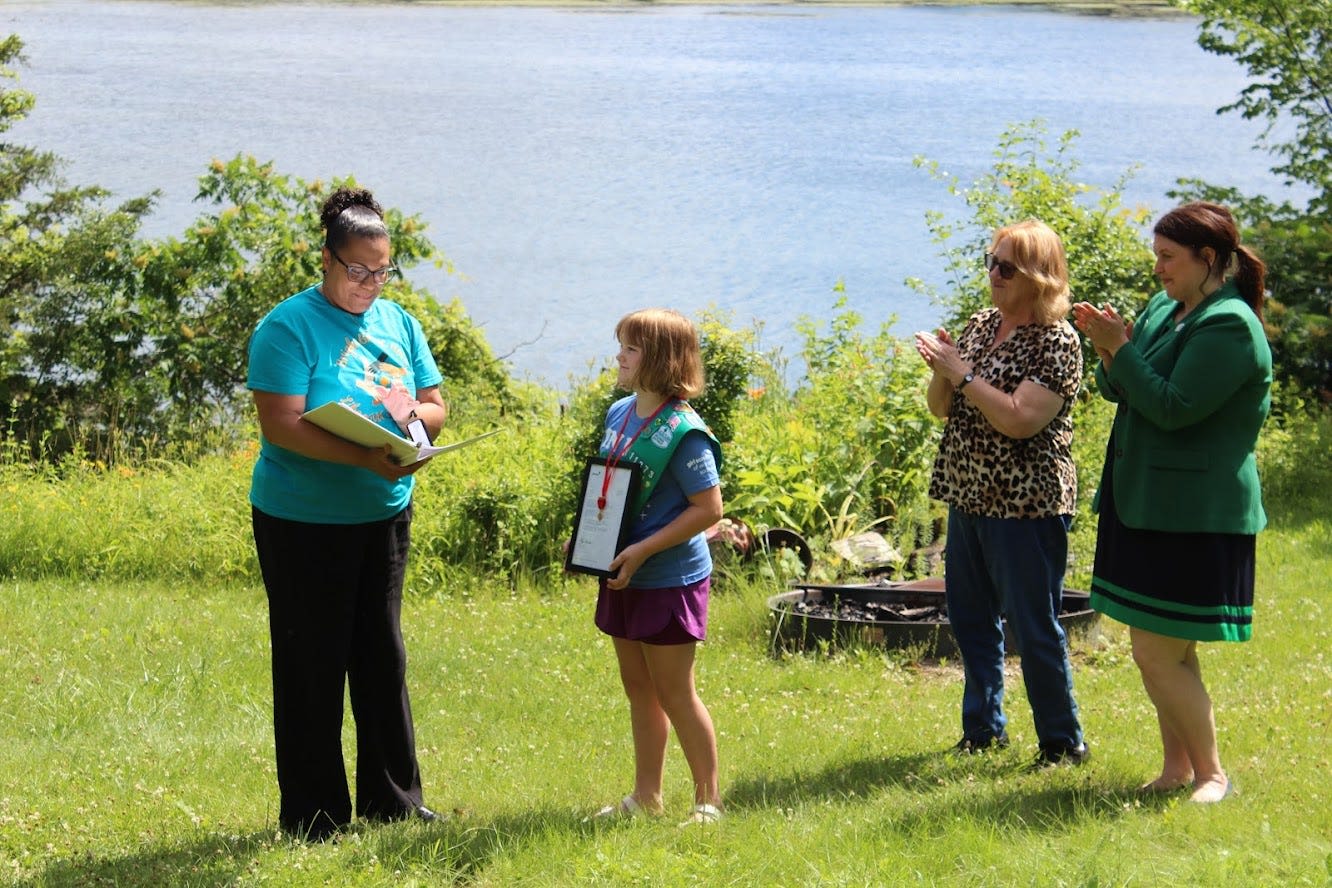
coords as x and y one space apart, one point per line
1249 278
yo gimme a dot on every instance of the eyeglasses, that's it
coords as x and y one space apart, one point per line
1006 269
359 274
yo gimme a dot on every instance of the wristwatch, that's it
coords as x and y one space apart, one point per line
966 380
416 429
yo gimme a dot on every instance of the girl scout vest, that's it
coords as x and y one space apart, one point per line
654 446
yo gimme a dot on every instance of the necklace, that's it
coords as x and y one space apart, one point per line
616 451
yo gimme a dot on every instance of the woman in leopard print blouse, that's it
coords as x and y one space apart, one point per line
1005 388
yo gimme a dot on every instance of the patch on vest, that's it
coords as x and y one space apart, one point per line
662 436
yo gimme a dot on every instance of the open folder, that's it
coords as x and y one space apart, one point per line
345 422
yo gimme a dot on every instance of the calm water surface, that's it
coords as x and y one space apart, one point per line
576 164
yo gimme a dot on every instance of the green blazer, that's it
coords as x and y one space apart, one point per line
1192 398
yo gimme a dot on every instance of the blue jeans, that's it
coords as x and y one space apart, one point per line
1014 568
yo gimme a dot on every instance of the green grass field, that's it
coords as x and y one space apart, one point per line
135 749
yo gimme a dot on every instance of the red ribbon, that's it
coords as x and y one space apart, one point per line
613 459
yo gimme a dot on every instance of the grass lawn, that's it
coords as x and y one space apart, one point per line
135 749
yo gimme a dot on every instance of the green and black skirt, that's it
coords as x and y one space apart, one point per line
1197 586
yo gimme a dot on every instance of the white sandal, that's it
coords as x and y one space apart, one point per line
628 807
703 813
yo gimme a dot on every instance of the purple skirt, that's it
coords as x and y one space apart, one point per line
674 615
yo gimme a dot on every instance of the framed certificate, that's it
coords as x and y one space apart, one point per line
601 530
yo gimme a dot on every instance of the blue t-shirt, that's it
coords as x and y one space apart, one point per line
692 469
308 346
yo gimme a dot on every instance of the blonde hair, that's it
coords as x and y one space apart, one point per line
671 363
1039 254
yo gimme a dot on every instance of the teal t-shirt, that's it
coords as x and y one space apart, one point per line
308 346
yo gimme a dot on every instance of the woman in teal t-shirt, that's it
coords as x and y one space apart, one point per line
332 525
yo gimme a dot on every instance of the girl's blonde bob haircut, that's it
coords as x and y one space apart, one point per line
1039 254
671 364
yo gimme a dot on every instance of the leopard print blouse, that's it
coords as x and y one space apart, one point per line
983 472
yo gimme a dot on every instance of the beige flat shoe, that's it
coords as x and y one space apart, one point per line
628 807
702 813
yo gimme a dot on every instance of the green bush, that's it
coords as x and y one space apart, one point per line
729 362
1092 418
156 519
849 449
501 507
1295 454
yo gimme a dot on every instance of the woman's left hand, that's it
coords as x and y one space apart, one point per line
628 562
383 463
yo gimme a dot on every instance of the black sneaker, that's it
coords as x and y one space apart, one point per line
1061 754
973 745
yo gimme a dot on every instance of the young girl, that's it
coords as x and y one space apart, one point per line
655 604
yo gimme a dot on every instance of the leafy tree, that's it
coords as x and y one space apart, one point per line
1108 257
66 328
1285 47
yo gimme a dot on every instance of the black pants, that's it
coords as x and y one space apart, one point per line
334 611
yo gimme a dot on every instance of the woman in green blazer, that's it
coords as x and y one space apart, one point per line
1179 500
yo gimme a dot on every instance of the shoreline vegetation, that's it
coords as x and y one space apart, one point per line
1112 8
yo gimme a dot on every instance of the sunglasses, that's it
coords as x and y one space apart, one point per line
1006 269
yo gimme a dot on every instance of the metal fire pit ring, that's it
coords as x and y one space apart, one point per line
802 620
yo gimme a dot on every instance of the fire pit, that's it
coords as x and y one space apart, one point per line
887 614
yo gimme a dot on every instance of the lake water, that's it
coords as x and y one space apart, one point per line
578 163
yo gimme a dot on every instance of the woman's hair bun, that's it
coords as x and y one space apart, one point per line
351 212
345 198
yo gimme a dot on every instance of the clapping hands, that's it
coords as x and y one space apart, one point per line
941 355
1107 331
